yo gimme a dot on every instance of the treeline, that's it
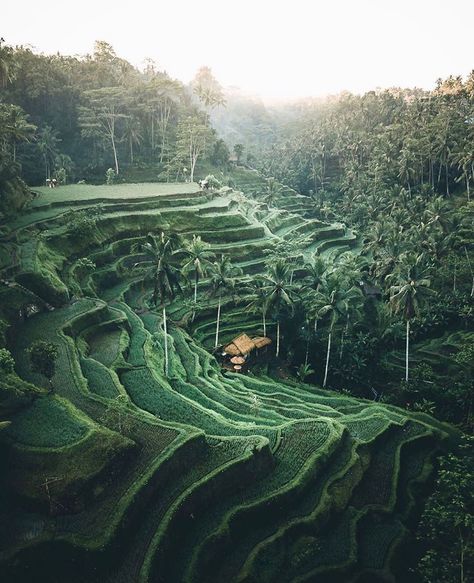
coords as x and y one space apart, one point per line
75 117
404 138
398 168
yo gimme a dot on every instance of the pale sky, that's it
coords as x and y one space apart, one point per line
275 48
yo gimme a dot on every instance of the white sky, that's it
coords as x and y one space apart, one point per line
276 48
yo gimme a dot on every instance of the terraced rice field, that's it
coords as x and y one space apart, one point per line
178 477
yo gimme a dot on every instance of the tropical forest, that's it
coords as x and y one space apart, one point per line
236 334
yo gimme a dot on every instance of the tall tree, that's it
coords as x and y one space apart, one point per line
161 268
197 259
279 292
48 145
207 88
258 300
336 302
194 138
17 126
101 115
408 294
223 280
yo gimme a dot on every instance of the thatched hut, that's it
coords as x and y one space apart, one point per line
243 345
261 341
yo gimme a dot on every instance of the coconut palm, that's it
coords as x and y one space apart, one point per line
132 134
316 270
197 259
337 302
272 190
48 146
258 301
18 127
279 292
223 279
411 289
160 250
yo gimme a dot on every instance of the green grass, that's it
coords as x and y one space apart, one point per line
48 422
183 478
88 192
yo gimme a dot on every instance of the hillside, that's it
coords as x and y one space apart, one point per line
124 473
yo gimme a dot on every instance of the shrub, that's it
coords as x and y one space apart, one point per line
7 362
110 176
43 356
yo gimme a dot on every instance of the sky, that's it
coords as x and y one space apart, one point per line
277 49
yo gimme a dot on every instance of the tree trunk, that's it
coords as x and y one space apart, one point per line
217 323
447 178
454 275
115 155
152 135
344 332
264 323
193 166
277 354
439 172
315 325
165 332
470 269
407 350
307 352
327 359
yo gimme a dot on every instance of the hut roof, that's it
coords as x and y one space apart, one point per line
261 341
232 349
244 344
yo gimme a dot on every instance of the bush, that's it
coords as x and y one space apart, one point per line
7 362
212 181
110 176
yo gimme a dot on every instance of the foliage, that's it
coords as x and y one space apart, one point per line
91 112
110 176
446 530
43 356
7 362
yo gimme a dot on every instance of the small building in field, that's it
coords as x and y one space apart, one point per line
243 345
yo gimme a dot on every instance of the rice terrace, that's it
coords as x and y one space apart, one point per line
236 338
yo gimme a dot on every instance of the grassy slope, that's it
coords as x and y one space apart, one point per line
281 489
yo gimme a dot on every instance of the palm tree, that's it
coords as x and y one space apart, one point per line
18 127
132 134
198 259
408 294
337 302
317 269
278 291
271 192
8 66
258 301
48 146
166 276
223 279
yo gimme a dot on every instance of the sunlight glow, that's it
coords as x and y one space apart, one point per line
278 49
